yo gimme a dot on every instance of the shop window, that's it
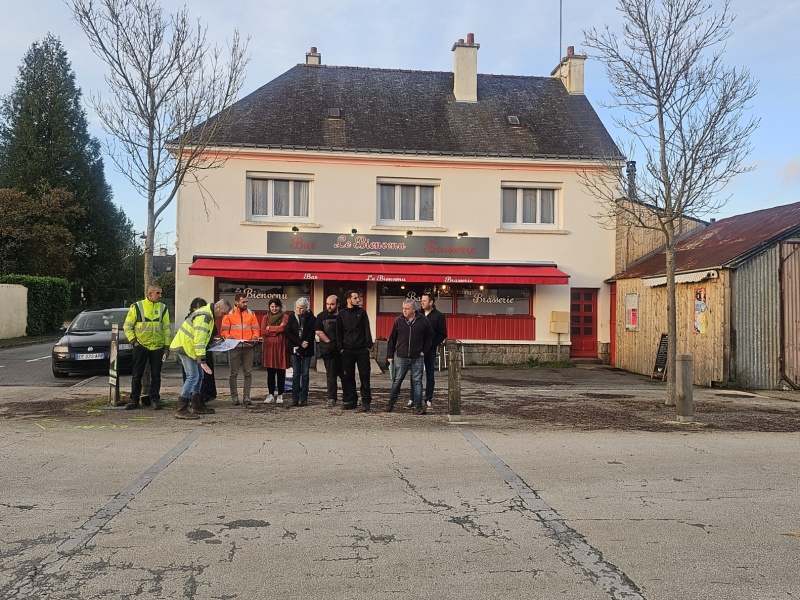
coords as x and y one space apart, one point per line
259 294
485 300
534 208
391 297
406 203
278 199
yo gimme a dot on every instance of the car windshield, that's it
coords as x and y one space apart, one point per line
97 321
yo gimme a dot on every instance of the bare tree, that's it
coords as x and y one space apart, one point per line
684 113
165 84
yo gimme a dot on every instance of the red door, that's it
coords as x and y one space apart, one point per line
583 323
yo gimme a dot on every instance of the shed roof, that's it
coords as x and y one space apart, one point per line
415 112
725 243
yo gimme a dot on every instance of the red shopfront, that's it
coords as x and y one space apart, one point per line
484 301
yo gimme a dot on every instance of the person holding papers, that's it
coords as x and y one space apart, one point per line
240 324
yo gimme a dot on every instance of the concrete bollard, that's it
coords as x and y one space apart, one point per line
453 381
684 375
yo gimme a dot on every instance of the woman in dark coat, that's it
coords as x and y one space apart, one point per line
274 358
300 332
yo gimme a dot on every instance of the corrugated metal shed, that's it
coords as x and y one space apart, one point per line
725 243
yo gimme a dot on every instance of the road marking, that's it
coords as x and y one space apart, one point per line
579 553
79 538
38 359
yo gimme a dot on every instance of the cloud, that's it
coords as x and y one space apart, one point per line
790 172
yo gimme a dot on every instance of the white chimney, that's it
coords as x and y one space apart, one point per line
465 71
570 71
313 57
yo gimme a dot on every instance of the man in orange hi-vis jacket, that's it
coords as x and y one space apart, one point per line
241 324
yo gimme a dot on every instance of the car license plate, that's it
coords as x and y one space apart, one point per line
95 356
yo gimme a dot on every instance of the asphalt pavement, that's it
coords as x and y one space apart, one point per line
320 502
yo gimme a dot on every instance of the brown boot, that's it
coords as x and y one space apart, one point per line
199 406
182 411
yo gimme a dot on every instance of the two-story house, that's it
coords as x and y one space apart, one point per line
395 182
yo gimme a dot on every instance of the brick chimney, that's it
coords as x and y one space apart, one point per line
313 57
465 70
570 71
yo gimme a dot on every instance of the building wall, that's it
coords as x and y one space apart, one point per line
633 241
755 322
790 302
14 317
344 196
636 350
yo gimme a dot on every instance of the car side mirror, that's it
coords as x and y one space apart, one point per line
62 329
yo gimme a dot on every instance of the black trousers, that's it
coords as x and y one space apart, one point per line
351 359
333 370
141 358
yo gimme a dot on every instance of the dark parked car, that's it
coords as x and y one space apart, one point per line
86 344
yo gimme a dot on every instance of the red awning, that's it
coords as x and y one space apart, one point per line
310 270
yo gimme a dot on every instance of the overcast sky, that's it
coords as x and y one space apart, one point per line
516 38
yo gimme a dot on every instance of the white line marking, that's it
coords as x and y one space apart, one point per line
36 359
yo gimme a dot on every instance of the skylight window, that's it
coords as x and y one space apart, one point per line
512 120
335 113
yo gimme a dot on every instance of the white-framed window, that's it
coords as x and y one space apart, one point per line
407 203
529 207
286 198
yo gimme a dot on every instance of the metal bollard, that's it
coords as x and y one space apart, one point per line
684 375
453 381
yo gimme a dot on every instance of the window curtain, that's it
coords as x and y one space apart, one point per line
408 203
509 205
280 198
529 206
548 206
301 198
258 196
426 206
386 208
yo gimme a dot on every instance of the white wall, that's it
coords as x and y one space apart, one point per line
14 316
344 196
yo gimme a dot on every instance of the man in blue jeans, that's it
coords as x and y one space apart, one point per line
410 339
439 325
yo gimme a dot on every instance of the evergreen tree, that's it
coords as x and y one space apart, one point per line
45 144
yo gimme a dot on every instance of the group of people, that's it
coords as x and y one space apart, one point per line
343 337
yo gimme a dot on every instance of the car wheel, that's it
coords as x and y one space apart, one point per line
57 373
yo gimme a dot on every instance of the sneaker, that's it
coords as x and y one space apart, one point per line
235 401
428 404
364 408
279 400
247 402
421 410
331 402
269 399
410 404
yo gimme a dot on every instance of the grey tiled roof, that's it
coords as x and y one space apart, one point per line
415 112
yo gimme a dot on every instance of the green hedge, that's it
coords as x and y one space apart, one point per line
48 301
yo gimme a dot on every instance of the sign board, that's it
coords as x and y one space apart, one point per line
113 367
397 246
660 368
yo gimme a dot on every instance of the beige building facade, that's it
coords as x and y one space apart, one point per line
502 234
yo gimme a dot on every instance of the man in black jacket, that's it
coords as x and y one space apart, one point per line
439 326
410 339
330 355
354 340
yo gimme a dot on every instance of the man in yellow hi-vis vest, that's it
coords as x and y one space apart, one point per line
147 329
190 344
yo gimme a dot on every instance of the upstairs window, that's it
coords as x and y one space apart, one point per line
280 199
404 204
524 207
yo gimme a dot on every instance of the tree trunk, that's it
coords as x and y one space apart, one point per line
672 323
